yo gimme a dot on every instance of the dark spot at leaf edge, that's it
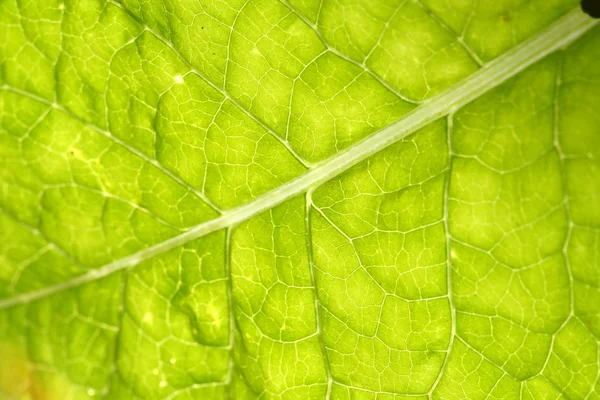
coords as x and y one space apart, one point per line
591 7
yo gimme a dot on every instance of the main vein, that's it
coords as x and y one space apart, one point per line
558 35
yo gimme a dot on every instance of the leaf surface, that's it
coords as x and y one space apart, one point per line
273 199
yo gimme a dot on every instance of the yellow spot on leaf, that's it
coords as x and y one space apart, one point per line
148 318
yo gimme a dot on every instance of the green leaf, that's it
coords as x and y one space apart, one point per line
299 199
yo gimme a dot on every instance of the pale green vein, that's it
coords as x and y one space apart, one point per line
557 147
449 131
558 35
445 27
362 65
113 138
318 311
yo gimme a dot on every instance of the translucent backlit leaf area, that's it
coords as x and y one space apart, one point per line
299 199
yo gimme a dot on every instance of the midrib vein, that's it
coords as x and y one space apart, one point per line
558 35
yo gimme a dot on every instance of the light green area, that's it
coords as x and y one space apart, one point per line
462 262
491 28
